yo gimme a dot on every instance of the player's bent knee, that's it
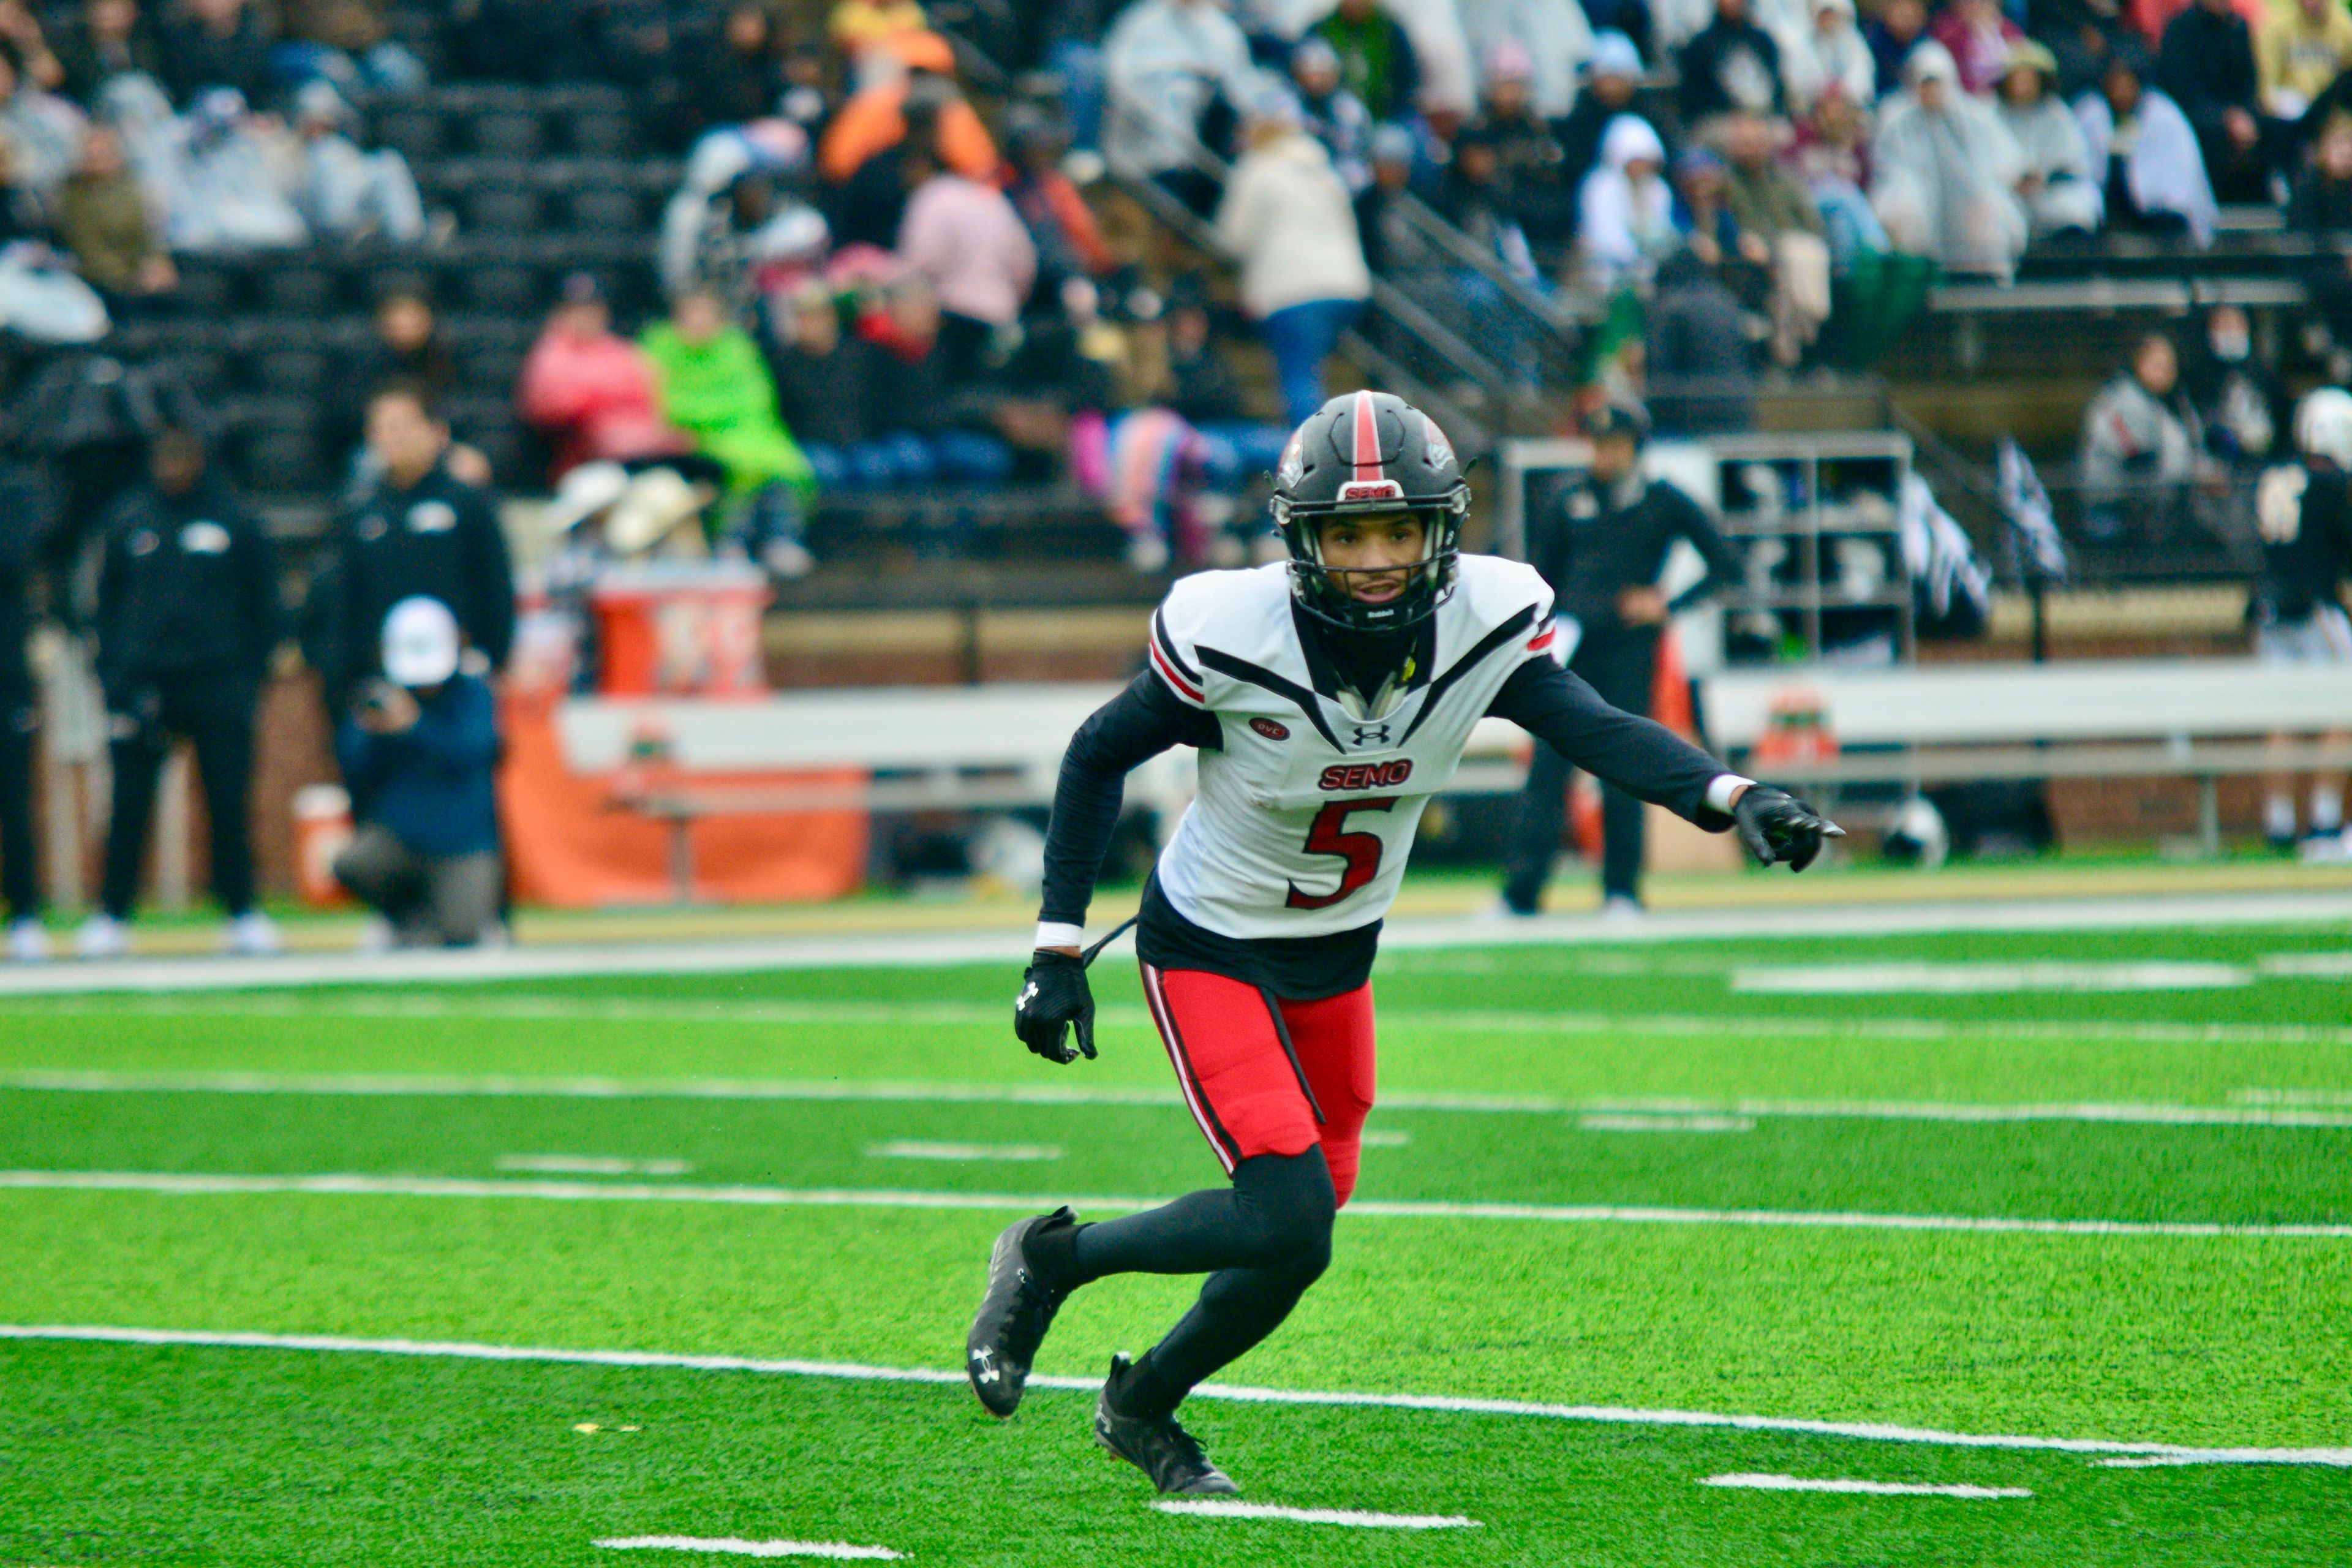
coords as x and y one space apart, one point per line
1291 1203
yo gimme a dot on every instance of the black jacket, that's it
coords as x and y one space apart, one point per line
1602 540
2304 561
2207 64
826 399
1712 56
439 539
187 586
195 59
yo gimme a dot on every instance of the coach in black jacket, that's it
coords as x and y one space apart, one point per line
1603 553
418 532
187 618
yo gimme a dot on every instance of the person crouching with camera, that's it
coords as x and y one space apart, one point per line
419 750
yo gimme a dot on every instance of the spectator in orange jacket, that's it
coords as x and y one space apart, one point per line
873 119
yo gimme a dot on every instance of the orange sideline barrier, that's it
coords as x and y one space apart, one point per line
572 845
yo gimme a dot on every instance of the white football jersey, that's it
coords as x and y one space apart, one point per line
1306 817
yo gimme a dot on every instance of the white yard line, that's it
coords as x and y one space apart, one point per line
1612 1121
2290 1108
913 1149
1871 1432
2337 965
1873 1488
1925 979
1008 946
1215 1508
1384 1138
589 1165
822 1013
205 1184
735 1546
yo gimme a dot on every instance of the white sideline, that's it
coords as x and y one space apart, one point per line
922 950
1875 1488
735 1546
2286 1109
1212 1508
205 1184
1871 1432
1930 979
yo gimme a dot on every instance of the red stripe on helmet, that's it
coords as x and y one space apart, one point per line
1366 447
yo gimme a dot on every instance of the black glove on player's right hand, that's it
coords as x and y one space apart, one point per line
1054 996
1778 827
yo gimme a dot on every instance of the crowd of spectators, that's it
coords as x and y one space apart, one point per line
130 130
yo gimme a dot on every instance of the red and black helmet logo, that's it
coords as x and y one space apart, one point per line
1270 729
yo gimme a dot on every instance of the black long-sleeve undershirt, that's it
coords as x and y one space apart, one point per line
1639 755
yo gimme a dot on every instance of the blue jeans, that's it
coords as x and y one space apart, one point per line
1080 66
1301 337
903 460
1232 451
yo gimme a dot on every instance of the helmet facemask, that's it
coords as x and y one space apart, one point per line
1327 591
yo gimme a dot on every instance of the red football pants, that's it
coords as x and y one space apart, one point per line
1249 1093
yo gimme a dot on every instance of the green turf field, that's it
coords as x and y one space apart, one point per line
1769 1179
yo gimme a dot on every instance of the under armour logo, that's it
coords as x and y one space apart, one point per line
1372 734
1028 994
981 1371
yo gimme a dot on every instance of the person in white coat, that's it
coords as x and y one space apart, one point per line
2058 190
1165 61
1947 171
1288 220
2144 156
1625 211
1829 52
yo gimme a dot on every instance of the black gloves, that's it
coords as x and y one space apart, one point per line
1776 826
1053 995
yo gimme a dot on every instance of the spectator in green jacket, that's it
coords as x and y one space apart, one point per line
713 385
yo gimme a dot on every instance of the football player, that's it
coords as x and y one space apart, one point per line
1330 697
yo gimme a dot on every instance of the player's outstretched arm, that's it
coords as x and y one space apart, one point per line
1645 758
1138 724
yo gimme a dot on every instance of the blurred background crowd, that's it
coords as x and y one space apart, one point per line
777 286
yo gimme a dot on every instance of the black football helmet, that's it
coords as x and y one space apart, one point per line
1370 453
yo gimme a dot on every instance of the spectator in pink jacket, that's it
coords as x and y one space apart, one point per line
589 390
1979 37
967 238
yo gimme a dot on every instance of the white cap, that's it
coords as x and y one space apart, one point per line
420 642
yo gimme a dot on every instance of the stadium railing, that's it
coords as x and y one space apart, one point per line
2198 718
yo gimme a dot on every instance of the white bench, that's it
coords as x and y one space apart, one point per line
2200 718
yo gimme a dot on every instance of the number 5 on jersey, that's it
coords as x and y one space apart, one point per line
1328 834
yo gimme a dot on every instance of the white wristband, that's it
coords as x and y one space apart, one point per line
1056 933
1720 793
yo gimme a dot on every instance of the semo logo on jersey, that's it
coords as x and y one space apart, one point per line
1366 775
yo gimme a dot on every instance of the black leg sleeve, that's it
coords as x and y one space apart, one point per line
1280 1209
1268 1238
